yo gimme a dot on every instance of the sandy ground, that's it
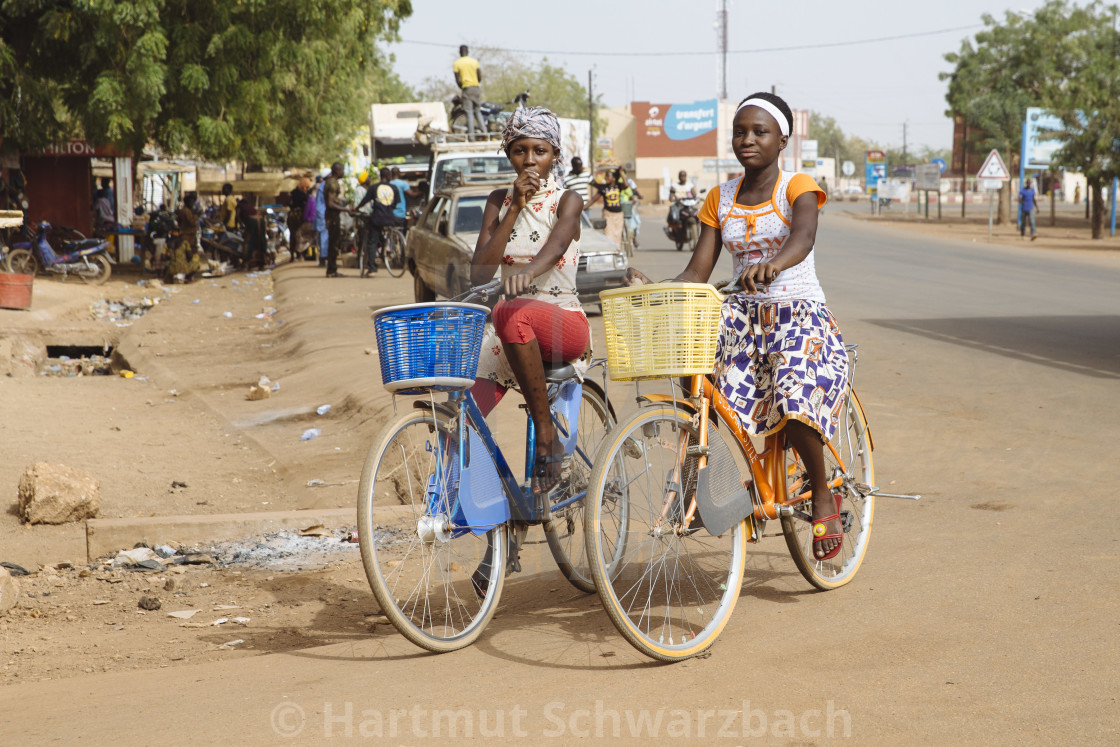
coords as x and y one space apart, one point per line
184 418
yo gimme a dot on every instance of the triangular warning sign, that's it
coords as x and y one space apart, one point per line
993 167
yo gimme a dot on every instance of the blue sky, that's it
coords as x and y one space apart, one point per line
871 89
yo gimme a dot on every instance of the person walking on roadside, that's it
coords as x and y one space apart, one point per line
610 192
335 207
227 214
320 222
1027 206
297 206
400 210
468 76
579 180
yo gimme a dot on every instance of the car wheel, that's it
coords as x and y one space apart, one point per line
421 293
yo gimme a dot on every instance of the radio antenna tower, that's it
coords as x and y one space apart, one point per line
721 42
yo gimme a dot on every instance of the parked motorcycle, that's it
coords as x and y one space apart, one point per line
684 223
493 115
276 234
222 244
87 258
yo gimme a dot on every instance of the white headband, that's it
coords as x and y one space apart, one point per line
772 110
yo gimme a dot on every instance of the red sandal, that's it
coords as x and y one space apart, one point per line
819 531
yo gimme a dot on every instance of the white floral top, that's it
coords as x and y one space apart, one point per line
557 286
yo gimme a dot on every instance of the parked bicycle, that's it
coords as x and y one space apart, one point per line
441 516
679 488
389 250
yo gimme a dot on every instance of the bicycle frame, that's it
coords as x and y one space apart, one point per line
774 498
523 506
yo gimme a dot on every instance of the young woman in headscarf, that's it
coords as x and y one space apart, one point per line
531 231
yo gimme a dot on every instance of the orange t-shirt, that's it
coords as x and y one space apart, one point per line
798 185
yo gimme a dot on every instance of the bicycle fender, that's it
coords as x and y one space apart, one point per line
722 513
565 412
663 399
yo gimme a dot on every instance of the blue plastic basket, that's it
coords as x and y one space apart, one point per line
429 346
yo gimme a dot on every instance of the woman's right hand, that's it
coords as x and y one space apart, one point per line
634 276
527 184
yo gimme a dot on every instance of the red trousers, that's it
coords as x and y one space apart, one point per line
561 334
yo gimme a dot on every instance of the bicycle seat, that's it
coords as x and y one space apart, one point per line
554 373
74 246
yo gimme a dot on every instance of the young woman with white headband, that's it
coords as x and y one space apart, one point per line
780 360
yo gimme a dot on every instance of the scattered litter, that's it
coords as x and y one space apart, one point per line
125 310
220 621
166 551
268 297
183 614
194 558
197 300
286 549
352 536
126 374
310 433
227 314
237 642
323 409
134 556
241 620
316 483
317 530
222 607
275 385
17 570
257 393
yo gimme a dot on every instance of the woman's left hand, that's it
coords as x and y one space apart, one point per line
762 273
518 283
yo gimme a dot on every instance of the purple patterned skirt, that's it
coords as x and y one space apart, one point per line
777 360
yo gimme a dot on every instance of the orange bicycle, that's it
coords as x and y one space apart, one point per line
678 489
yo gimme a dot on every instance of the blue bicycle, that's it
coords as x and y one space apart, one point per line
441 516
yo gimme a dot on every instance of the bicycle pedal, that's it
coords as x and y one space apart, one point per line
696 450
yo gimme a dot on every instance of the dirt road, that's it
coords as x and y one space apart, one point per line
985 613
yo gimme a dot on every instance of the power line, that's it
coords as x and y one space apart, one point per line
571 53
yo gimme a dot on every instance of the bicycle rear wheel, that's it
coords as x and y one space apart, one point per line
394 252
566 538
668 589
418 558
851 473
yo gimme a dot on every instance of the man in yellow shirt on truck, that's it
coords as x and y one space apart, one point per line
468 76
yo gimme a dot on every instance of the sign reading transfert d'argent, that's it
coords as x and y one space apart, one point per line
676 129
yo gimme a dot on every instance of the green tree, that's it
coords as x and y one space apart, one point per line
264 81
1085 93
995 78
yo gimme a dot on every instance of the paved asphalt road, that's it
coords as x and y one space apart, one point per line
985 613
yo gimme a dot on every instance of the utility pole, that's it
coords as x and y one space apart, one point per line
721 41
590 123
903 144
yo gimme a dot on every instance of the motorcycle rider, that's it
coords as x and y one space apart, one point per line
468 76
683 189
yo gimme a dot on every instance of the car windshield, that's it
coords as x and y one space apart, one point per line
472 168
468 214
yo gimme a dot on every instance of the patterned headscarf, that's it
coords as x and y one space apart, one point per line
538 122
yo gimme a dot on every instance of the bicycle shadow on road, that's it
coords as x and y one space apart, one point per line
543 621
1083 345
342 630
768 577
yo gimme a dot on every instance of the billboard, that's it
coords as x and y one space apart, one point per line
676 129
874 168
1038 147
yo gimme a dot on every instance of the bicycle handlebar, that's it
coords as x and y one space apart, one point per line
480 291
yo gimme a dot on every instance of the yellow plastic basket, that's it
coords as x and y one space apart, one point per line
661 329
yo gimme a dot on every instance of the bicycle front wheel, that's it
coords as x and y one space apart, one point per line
566 536
436 581
668 588
850 472
394 253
